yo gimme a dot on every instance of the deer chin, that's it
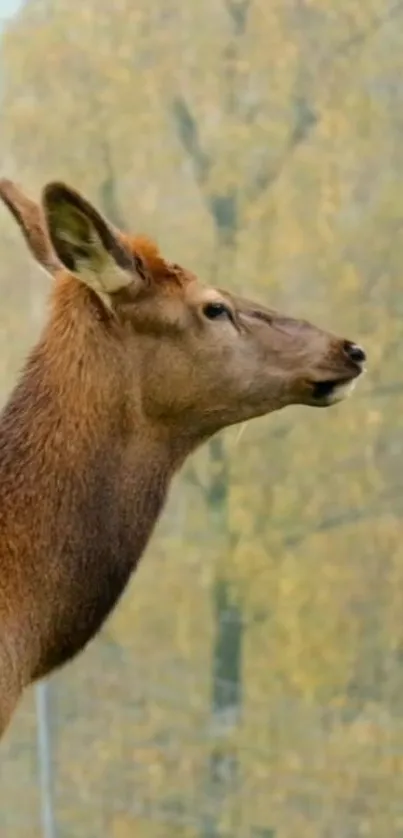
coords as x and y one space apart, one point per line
327 393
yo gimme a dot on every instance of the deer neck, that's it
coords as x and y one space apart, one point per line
81 489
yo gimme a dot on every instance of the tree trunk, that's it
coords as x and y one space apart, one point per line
226 664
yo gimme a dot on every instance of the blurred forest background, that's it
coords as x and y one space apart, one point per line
250 683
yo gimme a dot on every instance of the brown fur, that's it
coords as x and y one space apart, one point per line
128 377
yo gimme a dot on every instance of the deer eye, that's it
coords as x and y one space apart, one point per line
217 311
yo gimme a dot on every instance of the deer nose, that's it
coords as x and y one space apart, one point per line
354 352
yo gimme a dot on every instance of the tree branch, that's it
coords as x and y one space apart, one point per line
238 11
193 478
108 190
222 207
304 125
381 507
307 117
188 133
361 37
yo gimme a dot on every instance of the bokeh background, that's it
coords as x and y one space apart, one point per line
250 683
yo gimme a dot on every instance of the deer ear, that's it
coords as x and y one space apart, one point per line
88 246
29 217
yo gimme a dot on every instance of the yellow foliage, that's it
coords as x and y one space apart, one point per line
298 132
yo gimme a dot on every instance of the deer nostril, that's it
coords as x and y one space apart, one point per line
354 352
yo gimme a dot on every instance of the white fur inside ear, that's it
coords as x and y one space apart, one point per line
105 280
99 270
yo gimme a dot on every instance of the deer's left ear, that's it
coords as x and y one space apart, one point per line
29 217
88 246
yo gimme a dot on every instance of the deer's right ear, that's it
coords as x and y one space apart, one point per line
31 222
88 246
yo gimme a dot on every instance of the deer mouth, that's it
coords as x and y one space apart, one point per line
331 391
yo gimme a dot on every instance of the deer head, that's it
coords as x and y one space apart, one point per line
192 359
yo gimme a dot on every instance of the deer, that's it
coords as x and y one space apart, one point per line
137 365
